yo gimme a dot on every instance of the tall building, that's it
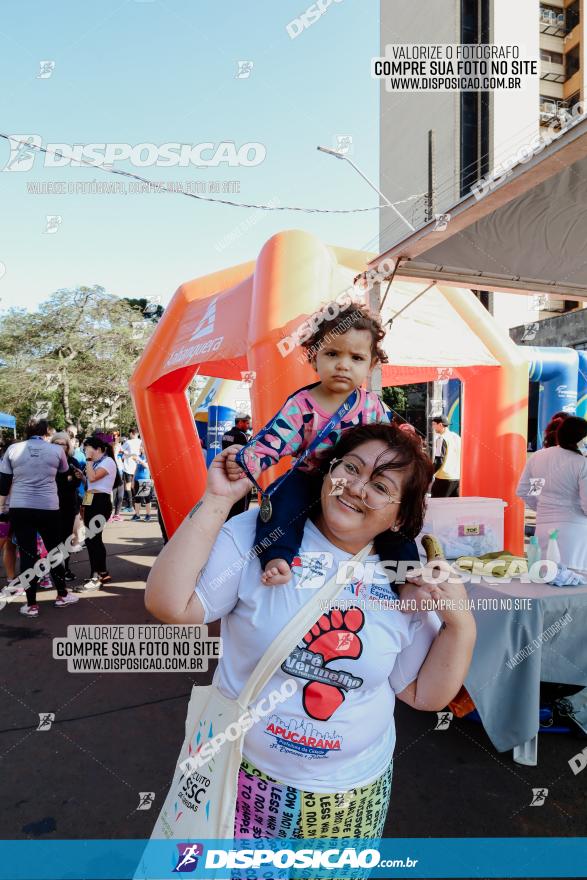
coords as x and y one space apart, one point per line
474 132
562 79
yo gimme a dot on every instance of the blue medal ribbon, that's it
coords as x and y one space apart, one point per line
333 421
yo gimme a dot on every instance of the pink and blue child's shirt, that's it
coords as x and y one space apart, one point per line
301 418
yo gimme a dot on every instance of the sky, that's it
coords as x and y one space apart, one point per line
165 71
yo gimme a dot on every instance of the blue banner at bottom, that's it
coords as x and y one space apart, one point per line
484 857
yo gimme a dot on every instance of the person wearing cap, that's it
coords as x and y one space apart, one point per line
447 460
237 434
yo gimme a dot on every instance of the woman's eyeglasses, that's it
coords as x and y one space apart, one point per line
374 493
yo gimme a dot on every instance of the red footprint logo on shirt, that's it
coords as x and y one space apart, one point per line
333 636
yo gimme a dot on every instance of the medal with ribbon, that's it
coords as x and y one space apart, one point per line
266 510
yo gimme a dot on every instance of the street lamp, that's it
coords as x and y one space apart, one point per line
364 176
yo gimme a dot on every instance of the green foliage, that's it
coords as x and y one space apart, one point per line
150 310
396 398
72 359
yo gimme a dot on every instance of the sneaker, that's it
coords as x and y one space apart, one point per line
147 517
135 518
127 510
30 610
94 583
68 599
69 575
45 583
104 577
116 518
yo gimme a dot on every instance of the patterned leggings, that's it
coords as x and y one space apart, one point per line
269 809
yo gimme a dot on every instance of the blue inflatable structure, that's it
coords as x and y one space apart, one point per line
562 377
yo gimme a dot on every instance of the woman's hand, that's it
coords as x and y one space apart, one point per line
445 668
219 480
440 584
233 469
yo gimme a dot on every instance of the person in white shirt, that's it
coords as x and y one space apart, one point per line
554 484
447 460
321 763
101 472
131 449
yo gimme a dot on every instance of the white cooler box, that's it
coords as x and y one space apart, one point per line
465 526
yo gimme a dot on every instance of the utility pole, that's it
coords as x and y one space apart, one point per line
374 382
431 194
432 388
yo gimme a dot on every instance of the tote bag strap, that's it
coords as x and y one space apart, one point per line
292 633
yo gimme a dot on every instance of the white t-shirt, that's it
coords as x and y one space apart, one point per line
327 737
105 483
131 447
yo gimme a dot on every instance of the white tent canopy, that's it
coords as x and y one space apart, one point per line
527 234
433 322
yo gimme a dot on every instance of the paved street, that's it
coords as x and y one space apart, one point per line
118 734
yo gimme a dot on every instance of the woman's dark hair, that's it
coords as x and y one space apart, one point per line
409 456
552 427
36 428
98 443
570 432
355 316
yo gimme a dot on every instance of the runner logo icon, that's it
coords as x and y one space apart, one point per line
187 860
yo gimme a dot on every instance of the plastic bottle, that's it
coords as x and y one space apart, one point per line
534 554
552 551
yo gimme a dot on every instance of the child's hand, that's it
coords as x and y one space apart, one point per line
276 572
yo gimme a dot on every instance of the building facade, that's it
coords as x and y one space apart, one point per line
475 132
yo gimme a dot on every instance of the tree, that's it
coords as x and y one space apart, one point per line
71 359
150 309
396 398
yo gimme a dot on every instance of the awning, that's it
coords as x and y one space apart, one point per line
524 235
7 421
428 317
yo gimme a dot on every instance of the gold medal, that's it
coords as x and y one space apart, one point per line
266 509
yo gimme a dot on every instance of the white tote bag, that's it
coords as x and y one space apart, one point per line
201 802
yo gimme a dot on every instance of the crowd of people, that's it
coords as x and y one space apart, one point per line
52 486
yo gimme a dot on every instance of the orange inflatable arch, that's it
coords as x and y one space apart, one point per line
230 322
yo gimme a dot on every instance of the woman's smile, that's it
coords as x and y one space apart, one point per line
350 505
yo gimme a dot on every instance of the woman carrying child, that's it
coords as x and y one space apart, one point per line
310 422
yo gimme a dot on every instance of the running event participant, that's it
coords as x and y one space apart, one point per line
131 450
67 486
307 426
28 471
238 435
320 765
101 474
118 492
142 488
